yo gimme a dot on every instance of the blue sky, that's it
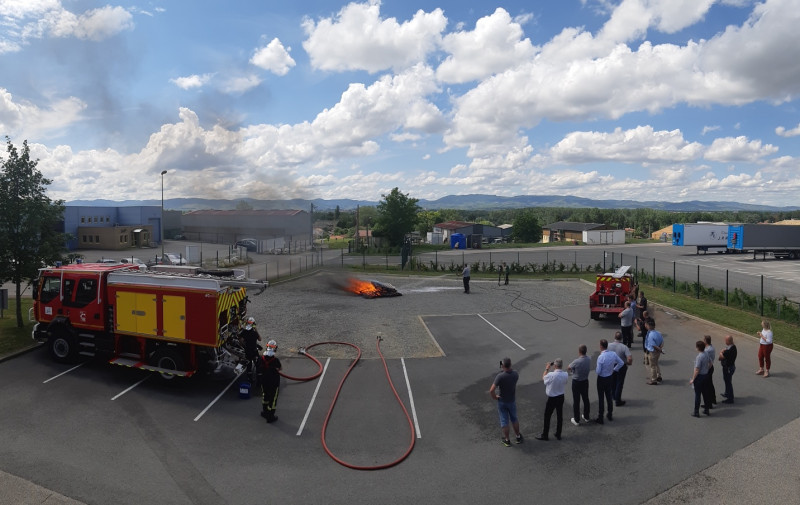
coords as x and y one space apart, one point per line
668 100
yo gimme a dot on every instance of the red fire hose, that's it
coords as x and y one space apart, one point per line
336 397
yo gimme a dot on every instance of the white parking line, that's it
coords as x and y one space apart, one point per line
411 399
63 373
501 332
122 393
217 398
313 397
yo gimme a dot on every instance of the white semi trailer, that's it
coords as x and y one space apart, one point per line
706 237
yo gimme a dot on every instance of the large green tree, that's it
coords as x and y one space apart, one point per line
29 221
526 227
397 215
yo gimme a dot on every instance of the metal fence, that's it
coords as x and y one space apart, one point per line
762 294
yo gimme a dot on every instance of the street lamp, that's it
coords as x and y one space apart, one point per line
162 214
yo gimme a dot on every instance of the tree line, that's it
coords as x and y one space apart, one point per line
643 221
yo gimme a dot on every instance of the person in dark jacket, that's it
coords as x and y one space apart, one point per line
269 367
250 339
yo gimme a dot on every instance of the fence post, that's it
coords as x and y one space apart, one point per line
674 279
436 259
727 272
654 272
698 282
762 295
604 260
266 271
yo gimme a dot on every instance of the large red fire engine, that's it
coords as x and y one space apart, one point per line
610 292
173 324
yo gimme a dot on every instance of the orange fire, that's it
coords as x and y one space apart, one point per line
370 289
363 288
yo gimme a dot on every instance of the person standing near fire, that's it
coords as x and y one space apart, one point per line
465 276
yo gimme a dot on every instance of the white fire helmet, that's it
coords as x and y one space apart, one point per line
251 321
271 347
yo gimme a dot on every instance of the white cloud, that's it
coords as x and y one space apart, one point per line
192 81
241 84
638 145
24 20
365 41
274 58
708 129
27 120
495 45
783 132
738 149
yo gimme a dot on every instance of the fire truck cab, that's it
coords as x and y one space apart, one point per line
611 291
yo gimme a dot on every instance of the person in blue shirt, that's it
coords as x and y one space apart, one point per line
654 345
607 363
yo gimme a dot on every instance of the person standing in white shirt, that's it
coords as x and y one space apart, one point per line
764 348
555 383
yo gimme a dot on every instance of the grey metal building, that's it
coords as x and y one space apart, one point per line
291 227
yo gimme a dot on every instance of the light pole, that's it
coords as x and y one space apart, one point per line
163 172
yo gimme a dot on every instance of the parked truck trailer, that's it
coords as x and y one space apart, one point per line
706 237
782 241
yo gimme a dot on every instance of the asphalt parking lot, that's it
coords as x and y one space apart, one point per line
103 434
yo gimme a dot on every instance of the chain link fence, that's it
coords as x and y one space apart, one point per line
767 296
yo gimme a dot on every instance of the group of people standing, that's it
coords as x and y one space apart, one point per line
611 369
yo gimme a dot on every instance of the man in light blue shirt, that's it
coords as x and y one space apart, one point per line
654 345
607 363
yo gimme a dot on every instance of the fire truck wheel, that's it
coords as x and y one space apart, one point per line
63 347
169 359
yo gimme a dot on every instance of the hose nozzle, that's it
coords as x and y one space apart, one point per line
302 351
379 337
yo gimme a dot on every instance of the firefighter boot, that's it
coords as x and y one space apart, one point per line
264 412
271 417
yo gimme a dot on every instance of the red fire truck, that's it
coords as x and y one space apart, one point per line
173 324
610 292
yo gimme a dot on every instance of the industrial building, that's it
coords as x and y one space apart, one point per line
274 230
112 227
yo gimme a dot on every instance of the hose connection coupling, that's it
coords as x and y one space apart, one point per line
379 337
302 351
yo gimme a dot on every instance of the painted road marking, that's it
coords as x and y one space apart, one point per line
313 397
217 398
64 373
122 393
411 398
501 332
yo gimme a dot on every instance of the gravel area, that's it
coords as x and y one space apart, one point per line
314 308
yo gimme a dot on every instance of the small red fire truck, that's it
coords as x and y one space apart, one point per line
610 292
173 324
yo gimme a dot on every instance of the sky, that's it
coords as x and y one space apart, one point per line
669 100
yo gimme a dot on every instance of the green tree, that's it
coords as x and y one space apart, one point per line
397 215
243 205
527 227
29 221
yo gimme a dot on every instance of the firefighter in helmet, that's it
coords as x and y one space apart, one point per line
250 339
269 367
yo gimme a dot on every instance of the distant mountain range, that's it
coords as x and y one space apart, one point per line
459 202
